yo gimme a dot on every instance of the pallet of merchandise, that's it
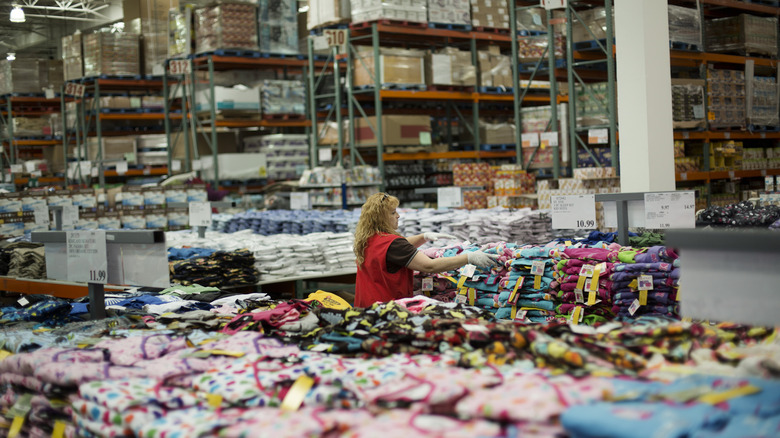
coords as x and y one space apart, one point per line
439 87
227 114
686 47
763 128
450 26
694 125
283 117
584 46
240 53
402 23
394 86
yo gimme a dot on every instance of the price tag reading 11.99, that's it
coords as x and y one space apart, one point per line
87 261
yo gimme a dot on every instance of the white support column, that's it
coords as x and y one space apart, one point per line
644 92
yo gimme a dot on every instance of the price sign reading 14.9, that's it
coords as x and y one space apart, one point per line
670 210
573 212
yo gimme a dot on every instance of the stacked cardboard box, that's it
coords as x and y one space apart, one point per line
72 60
592 104
398 10
450 66
512 180
688 103
537 119
226 25
593 25
683 163
490 13
181 31
23 76
113 149
449 11
152 149
726 98
283 97
602 154
746 34
495 69
327 13
532 48
471 174
278 26
685 25
762 101
726 155
399 67
149 18
111 54
229 98
396 130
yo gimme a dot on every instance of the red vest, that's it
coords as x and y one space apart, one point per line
374 282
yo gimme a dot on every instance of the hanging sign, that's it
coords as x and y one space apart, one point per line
574 212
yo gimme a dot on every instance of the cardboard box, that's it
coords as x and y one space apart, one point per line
450 67
399 66
230 98
227 142
496 133
114 148
327 12
396 130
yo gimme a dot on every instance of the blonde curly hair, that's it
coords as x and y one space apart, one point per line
374 219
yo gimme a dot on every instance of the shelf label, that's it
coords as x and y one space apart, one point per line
598 136
87 261
727 135
670 210
731 174
121 167
70 215
574 212
320 42
74 89
41 214
686 135
324 155
763 135
684 176
17 168
93 172
698 111
36 174
553 4
175 165
200 214
179 67
299 201
763 172
197 165
449 197
549 139
336 37
425 138
530 140
29 166
48 93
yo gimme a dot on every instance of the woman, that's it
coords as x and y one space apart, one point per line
387 261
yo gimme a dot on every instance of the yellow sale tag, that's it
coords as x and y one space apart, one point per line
297 393
59 430
594 282
4 354
568 243
591 297
537 281
581 283
461 281
643 297
225 353
514 312
677 297
714 398
16 427
472 296
575 316
518 284
214 400
710 115
633 284
462 291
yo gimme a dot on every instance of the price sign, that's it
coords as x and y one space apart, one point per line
530 140
41 214
17 168
176 165
670 210
537 267
549 138
179 67
70 215
574 212
425 138
325 155
36 174
197 165
427 283
336 37
200 214
598 136
87 261
449 197
553 4
121 167
299 201
29 166
74 89
645 282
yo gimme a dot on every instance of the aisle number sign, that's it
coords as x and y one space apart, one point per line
670 210
74 89
86 251
574 212
449 197
336 37
598 136
200 214
179 67
553 4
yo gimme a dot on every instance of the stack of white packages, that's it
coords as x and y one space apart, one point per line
279 255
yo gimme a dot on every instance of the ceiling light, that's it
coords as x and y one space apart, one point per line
17 14
11 56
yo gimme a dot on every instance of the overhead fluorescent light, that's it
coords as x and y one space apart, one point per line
17 14
11 56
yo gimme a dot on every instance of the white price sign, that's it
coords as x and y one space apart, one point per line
574 212
337 37
530 140
200 214
670 210
197 165
324 155
179 67
449 197
549 139
121 167
41 214
553 4
598 136
70 215
176 165
299 201
87 261
17 168
74 89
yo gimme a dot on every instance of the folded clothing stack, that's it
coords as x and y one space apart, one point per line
575 271
659 267
221 268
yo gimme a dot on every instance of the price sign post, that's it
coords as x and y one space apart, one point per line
574 212
88 263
